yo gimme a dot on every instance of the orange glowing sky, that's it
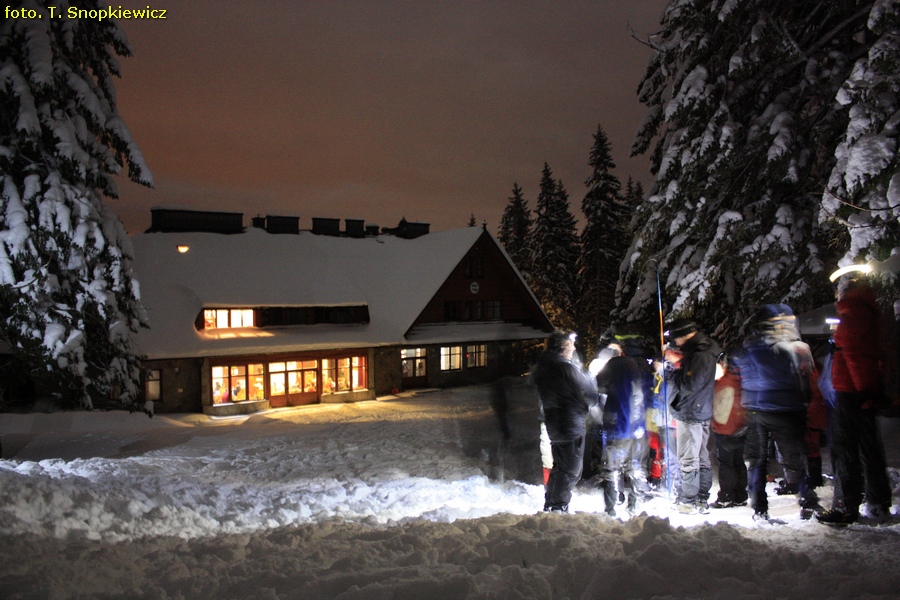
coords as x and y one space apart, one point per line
378 109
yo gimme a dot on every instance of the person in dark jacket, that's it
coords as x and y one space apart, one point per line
623 384
856 376
690 389
566 394
776 371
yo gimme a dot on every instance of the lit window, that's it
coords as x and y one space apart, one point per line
237 383
451 358
241 318
153 385
359 376
412 362
293 377
228 318
256 382
476 356
220 385
344 374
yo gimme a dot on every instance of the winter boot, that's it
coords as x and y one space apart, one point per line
837 516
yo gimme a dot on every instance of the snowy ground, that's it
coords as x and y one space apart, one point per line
406 497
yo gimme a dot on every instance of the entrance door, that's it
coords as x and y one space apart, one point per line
412 366
293 383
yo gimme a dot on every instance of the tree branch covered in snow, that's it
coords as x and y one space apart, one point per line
66 289
751 115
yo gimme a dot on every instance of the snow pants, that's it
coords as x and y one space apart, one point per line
788 430
692 443
623 460
857 447
568 461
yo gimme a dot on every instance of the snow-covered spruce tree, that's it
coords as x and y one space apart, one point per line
741 102
515 230
604 241
554 252
67 296
863 192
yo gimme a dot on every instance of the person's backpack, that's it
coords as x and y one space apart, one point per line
728 414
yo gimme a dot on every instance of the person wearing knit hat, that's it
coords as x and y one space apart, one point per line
690 395
681 328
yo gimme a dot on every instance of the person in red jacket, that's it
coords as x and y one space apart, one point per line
856 376
730 435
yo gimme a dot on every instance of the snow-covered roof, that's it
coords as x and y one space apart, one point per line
395 278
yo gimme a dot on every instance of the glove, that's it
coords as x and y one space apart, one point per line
639 433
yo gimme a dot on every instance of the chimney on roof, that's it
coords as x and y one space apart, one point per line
281 224
322 226
355 228
407 230
173 220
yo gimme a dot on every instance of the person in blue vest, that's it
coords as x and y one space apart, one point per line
624 384
566 393
776 370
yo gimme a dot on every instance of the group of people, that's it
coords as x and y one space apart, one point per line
764 395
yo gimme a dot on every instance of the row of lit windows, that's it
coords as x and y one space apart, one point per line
278 316
452 357
243 382
238 383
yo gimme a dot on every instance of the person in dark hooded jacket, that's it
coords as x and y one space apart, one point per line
690 388
566 394
777 372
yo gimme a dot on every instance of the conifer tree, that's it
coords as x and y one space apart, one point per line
863 190
554 252
67 296
471 222
603 242
515 231
742 107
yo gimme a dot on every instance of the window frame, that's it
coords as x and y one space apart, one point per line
476 356
451 358
149 379
418 361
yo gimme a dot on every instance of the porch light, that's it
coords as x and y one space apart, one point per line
183 248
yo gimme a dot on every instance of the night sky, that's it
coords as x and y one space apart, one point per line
377 109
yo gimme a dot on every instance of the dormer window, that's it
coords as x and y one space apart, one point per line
227 318
280 316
